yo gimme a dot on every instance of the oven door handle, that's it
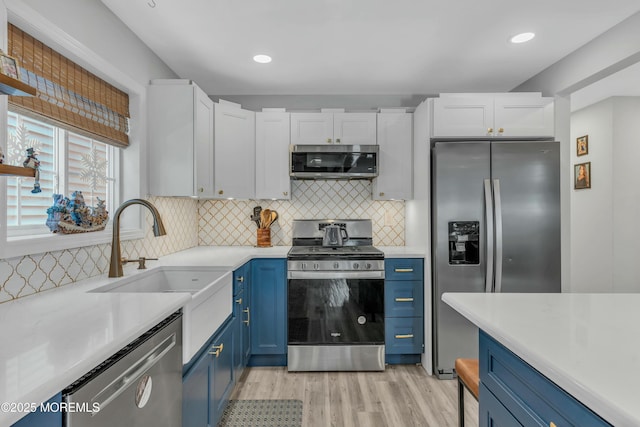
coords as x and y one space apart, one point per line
335 275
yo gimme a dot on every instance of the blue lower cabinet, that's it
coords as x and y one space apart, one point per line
268 312
195 393
209 380
404 310
241 343
221 379
50 417
529 397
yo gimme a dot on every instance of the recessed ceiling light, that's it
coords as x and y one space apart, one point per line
522 37
262 59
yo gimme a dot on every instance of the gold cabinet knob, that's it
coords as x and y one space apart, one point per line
285 193
500 130
201 189
382 194
490 130
220 192
337 140
329 140
239 301
240 279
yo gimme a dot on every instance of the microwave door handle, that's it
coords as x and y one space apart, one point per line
488 201
498 203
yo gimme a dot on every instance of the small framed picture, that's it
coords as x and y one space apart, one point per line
9 66
582 176
582 145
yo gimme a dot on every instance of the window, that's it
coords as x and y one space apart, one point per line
68 162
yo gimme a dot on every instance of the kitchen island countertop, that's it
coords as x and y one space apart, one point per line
587 344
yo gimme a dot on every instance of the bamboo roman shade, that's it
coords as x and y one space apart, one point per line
67 94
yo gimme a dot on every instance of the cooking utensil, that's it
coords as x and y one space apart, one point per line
274 217
256 215
265 215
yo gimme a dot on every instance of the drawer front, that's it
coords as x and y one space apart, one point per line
493 413
511 379
404 335
403 298
404 268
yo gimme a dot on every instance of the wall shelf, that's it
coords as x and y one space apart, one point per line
17 171
10 86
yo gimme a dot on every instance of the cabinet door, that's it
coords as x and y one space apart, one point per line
523 116
463 116
41 418
234 152
203 127
311 128
238 315
272 156
221 378
268 307
195 393
354 128
245 321
493 413
395 162
171 128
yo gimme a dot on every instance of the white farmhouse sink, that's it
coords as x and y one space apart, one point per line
211 303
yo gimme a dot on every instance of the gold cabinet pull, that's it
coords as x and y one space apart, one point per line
202 189
552 424
239 301
328 140
217 349
220 192
404 270
240 279
404 337
285 193
246 310
382 194
337 140
501 130
404 299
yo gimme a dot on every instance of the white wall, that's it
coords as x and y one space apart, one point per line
592 209
604 235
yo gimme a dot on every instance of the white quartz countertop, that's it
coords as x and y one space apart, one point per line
588 344
50 339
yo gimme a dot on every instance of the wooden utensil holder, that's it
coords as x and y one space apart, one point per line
264 237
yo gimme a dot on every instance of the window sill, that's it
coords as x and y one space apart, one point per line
26 245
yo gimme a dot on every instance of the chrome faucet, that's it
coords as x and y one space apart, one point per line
115 264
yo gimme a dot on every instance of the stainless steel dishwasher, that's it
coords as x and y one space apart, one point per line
139 386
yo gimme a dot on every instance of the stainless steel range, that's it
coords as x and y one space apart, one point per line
335 297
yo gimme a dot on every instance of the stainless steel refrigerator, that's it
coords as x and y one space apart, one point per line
496 228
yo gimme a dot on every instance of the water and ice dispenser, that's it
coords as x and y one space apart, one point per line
464 242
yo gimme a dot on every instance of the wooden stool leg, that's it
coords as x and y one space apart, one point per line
460 403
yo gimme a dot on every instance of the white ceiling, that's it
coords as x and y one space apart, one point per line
359 47
625 82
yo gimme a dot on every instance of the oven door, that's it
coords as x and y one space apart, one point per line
336 308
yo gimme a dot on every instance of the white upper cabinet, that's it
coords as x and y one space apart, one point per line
506 115
354 128
234 152
395 162
333 128
180 139
272 155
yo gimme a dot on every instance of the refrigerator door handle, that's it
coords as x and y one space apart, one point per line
488 202
498 204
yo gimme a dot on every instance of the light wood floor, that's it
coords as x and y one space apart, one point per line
402 396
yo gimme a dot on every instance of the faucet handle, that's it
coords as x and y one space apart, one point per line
141 262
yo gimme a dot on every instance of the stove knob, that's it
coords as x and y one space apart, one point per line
316 267
336 265
368 266
303 265
356 266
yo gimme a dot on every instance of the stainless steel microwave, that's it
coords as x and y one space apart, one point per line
333 161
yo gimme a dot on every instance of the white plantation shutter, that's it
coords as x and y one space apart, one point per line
77 146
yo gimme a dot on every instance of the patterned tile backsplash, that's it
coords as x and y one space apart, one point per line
30 274
191 223
226 222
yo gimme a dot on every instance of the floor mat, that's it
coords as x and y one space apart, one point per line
262 413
